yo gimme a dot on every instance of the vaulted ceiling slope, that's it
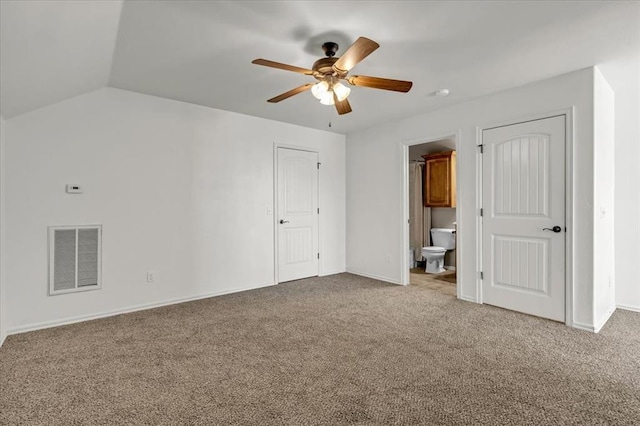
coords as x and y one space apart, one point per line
54 50
201 51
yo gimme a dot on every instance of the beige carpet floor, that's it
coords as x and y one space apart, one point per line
324 351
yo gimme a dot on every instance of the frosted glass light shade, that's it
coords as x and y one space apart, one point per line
341 91
327 98
320 88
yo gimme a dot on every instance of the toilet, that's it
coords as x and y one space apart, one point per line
443 239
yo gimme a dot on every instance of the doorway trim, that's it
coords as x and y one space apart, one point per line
568 113
404 146
274 210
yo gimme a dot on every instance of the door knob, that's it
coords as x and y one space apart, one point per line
554 229
283 221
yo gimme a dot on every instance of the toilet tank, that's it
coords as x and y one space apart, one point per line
443 237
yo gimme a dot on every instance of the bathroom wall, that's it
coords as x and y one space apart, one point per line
445 217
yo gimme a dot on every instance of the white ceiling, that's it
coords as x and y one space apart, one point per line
53 50
201 51
417 151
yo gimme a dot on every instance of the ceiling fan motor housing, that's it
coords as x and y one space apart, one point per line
330 48
323 67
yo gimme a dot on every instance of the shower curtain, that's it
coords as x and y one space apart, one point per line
419 216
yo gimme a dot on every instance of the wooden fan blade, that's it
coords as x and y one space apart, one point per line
354 54
380 83
285 67
343 107
290 93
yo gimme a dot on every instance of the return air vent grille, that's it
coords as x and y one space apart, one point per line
74 258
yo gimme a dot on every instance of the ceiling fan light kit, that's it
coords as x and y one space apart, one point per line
341 91
319 89
327 99
330 70
324 90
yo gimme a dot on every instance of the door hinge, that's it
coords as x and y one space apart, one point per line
319 166
481 148
481 275
318 255
481 212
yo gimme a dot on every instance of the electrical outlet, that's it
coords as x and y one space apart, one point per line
151 276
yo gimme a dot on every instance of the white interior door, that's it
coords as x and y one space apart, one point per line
523 255
297 214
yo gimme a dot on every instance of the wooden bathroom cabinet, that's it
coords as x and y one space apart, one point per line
440 179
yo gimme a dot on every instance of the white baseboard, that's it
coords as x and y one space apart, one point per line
337 271
375 277
2 339
135 308
583 326
604 320
629 308
468 299
594 328
450 268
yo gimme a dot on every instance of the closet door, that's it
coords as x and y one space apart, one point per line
297 220
523 239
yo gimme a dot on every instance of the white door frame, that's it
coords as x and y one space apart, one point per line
404 146
569 146
275 209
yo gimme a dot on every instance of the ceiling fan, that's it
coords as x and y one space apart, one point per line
330 70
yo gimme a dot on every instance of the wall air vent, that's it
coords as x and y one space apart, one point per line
74 258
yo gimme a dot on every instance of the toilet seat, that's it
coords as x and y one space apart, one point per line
434 249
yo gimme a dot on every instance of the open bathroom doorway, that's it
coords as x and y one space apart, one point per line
431 209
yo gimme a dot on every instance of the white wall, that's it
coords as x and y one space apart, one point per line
180 189
604 184
3 310
374 204
627 195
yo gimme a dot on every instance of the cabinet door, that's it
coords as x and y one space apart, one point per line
438 182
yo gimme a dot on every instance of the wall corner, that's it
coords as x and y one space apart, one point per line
3 310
